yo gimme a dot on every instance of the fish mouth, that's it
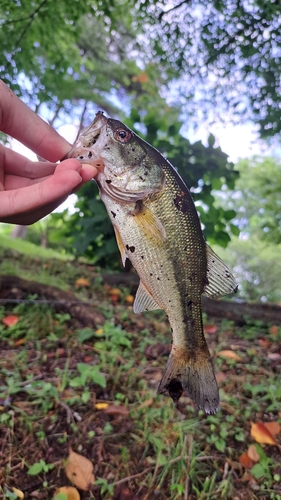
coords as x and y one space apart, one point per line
82 149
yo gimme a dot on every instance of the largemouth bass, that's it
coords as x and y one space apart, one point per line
158 229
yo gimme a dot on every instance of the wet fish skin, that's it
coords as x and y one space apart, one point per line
158 229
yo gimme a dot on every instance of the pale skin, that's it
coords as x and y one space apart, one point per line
30 190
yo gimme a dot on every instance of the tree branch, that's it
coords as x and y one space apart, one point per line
163 13
22 19
31 19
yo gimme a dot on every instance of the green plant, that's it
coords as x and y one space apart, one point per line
39 467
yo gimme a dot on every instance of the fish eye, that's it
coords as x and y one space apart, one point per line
123 135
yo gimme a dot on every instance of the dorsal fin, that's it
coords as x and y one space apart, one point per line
144 301
220 280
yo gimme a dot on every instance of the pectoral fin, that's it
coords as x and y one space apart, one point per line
220 280
120 244
150 224
144 301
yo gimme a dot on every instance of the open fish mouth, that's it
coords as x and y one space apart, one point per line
82 149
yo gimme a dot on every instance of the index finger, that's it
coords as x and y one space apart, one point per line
17 120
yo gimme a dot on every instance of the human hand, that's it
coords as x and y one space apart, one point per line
30 190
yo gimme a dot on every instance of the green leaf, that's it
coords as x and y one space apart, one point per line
220 445
85 334
35 469
258 471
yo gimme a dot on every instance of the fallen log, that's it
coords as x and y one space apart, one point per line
241 312
13 287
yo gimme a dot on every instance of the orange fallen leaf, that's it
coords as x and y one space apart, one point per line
264 343
210 329
245 460
101 406
82 282
114 291
261 434
129 299
80 471
253 454
99 331
115 298
20 342
273 330
10 320
230 355
70 493
273 427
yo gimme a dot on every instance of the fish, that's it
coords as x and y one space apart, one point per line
157 228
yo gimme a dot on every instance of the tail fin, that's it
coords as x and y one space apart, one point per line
193 373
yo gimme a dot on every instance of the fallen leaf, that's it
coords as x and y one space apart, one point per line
88 359
70 493
245 460
273 330
230 355
155 350
147 402
129 299
101 406
80 471
82 282
264 343
10 320
114 291
114 298
20 342
273 427
220 377
122 492
274 356
253 454
99 331
261 434
210 329
116 410
19 493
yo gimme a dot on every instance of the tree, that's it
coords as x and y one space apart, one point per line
256 199
215 58
94 54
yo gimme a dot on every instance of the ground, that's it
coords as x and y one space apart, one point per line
92 389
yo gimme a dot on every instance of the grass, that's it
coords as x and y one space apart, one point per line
27 248
95 390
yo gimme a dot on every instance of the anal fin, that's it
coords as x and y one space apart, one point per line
220 281
144 301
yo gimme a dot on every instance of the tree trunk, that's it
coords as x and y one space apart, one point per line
19 232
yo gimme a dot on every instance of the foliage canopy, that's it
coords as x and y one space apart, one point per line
220 56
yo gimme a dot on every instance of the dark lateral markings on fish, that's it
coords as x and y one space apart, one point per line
181 204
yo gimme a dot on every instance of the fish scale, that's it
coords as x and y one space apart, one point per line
157 227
